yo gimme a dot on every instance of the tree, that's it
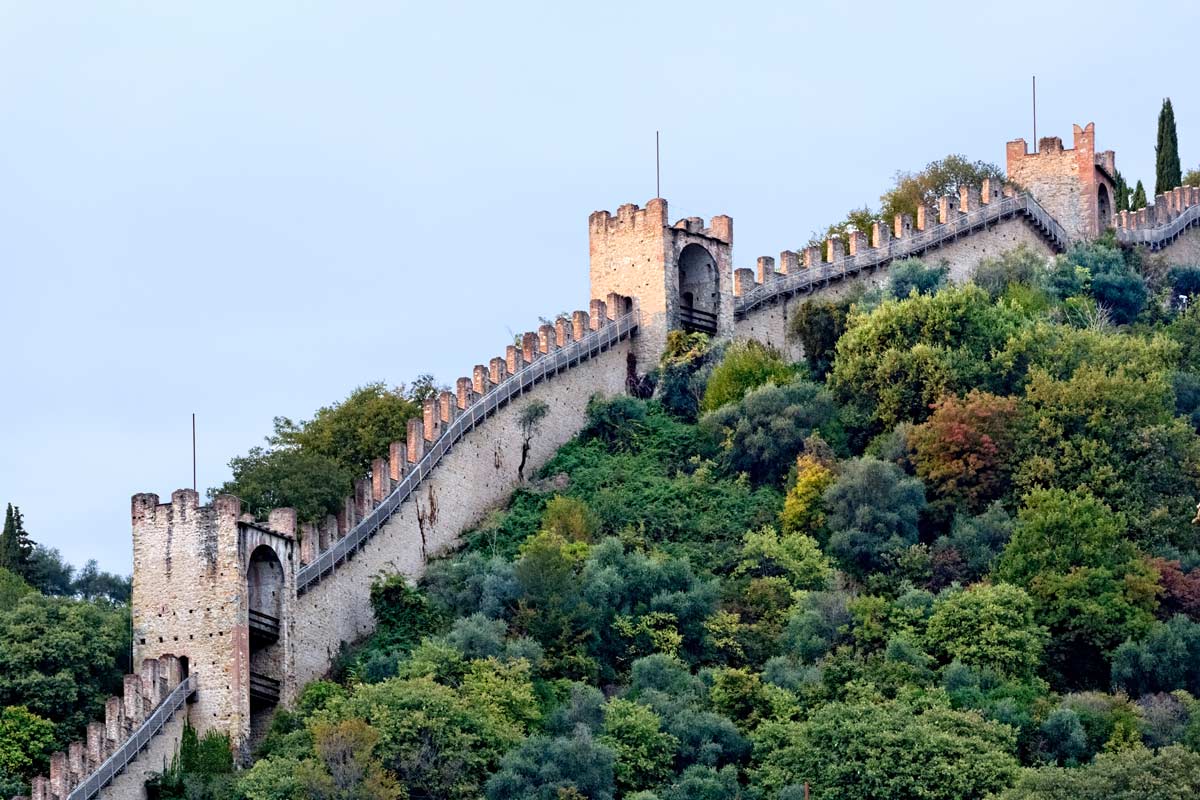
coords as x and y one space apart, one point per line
16 548
795 556
873 509
913 275
26 742
1139 198
893 363
312 483
1134 774
1192 177
1165 659
1121 191
346 750
570 767
764 432
1167 172
746 365
1089 587
938 178
12 588
92 584
964 451
863 751
990 626
643 752
803 507
1020 266
62 658
818 324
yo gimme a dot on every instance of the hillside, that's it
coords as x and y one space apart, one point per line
951 555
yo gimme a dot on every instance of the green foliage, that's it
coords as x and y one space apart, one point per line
795 556
1139 198
747 364
26 742
912 275
643 751
1165 659
862 751
16 548
905 355
559 768
987 626
938 178
818 325
1167 170
681 378
763 433
313 484
61 658
1172 773
1021 266
1111 280
12 588
873 509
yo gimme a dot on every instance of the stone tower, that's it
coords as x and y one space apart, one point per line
681 274
1075 185
216 589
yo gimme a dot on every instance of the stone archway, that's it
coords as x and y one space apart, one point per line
1103 208
699 296
265 587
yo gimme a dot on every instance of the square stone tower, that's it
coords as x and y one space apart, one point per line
1075 185
681 274
216 589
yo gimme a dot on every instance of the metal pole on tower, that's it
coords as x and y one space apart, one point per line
657 169
1035 141
194 489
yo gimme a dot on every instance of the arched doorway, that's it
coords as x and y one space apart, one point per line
265 585
699 298
1103 207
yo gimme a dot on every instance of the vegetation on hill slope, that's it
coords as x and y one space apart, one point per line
950 556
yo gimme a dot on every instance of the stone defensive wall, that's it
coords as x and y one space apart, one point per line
145 724
1171 226
252 610
959 231
461 461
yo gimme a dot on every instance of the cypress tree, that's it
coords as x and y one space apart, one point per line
15 546
1139 197
1167 171
1121 190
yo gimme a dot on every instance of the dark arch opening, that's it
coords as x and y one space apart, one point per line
1103 206
699 296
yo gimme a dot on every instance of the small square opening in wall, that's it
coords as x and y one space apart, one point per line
142 641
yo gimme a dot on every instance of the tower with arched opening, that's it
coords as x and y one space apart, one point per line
680 274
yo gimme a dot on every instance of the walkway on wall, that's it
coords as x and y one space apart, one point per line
1157 238
544 367
813 278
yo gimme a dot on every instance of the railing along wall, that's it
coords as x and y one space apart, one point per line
1158 225
542 354
131 721
959 217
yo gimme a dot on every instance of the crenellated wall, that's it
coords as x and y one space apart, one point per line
149 704
256 609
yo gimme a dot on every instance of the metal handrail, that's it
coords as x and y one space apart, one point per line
137 741
516 384
1156 238
902 248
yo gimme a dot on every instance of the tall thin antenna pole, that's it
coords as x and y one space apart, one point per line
194 489
1035 141
657 169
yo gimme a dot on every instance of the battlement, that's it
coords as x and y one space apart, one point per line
1165 208
951 217
406 458
1075 184
146 698
654 215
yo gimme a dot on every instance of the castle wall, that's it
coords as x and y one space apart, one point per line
1184 251
477 476
187 600
769 323
628 254
131 784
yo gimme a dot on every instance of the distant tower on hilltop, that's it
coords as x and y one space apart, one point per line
681 274
1074 185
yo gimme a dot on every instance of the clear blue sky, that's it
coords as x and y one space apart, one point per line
247 209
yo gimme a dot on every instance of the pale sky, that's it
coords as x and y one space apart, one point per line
247 209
